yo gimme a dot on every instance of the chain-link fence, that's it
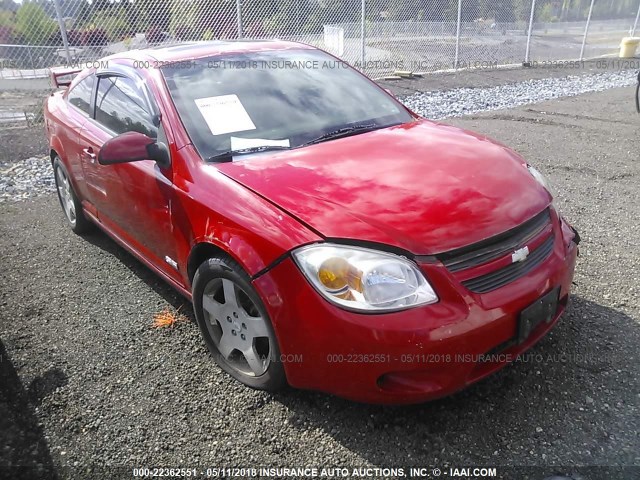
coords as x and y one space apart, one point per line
377 36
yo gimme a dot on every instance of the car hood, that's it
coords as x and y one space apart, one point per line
423 187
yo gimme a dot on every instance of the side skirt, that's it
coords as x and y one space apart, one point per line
180 288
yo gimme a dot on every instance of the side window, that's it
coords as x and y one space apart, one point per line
80 95
120 106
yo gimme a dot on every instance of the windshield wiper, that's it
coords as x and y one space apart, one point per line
343 132
228 155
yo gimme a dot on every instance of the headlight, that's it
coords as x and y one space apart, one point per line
540 178
363 279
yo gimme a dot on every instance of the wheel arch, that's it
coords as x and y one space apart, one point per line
202 251
56 149
57 152
53 154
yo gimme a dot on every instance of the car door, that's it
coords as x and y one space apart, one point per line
76 113
133 200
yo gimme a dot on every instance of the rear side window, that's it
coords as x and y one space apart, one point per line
121 107
80 95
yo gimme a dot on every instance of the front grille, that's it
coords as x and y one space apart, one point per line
495 247
511 272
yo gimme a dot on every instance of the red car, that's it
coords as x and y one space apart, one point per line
328 237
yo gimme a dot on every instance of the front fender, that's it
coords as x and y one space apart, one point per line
216 210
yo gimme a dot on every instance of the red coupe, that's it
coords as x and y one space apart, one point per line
328 237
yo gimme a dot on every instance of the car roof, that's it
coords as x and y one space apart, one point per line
193 50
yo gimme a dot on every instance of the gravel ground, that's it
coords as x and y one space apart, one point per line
21 179
464 101
85 381
491 77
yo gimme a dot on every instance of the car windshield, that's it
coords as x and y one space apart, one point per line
275 100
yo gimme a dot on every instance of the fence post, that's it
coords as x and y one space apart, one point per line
533 9
635 24
586 30
63 30
239 17
33 65
455 60
363 33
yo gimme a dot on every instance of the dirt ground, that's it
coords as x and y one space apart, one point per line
20 140
86 382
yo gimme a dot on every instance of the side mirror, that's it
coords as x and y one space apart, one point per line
133 147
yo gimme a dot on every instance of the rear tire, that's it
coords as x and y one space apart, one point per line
69 201
235 325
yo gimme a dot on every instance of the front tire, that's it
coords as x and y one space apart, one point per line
235 325
69 201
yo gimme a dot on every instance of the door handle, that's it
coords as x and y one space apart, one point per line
88 152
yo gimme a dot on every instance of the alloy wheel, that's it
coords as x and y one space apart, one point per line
239 332
66 195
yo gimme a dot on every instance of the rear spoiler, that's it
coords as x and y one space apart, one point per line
62 77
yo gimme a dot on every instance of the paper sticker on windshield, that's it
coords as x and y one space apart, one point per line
224 114
240 143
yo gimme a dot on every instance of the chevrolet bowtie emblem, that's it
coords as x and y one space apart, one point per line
520 255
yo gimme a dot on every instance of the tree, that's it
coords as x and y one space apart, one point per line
113 21
499 10
34 25
155 13
7 19
184 15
